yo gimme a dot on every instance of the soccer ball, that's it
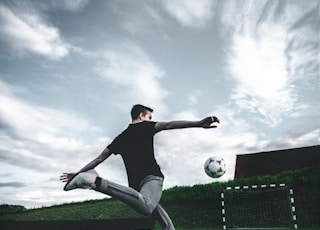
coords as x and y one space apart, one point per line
215 167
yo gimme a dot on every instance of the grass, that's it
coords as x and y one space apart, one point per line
196 207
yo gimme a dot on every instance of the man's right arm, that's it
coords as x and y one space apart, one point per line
65 177
95 162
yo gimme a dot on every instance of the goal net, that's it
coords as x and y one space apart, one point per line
258 207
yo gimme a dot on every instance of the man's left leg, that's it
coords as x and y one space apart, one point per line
163 218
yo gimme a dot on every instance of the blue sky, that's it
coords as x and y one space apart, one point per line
70 72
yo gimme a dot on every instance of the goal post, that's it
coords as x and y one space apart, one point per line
258 207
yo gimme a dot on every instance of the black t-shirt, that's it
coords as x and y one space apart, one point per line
135 145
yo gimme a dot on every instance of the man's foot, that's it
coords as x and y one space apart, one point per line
85 180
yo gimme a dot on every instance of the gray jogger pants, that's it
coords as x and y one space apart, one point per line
144 201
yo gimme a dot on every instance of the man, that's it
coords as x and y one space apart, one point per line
135 145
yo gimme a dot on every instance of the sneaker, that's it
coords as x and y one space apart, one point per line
84 180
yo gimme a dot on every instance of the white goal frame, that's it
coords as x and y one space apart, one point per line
263 186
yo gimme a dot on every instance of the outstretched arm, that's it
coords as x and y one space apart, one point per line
65 177
95 162
204 123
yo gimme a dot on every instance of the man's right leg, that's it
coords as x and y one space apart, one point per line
146 201
143 202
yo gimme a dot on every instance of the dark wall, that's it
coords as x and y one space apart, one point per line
113 224
273 162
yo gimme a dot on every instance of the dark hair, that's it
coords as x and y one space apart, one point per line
137 109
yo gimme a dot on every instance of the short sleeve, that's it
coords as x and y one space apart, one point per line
135 135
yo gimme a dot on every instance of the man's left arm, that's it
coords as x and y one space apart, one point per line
204 123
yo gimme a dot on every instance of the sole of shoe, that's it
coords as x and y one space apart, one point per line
65 188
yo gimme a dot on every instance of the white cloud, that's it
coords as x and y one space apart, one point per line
31 135
303 49
307 138
194 97
73 5
136 74
190 13
39 123
28 32
49 193
40 139
258 66
273 57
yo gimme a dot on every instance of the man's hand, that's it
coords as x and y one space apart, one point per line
65 177
207 122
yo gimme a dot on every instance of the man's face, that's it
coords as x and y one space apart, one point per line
147 116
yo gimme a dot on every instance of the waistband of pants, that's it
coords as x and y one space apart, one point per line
148 178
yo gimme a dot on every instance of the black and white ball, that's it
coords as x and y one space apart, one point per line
215 167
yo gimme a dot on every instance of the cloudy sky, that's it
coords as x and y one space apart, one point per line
70 71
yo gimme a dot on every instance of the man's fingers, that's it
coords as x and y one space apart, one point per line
65 177
215 119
